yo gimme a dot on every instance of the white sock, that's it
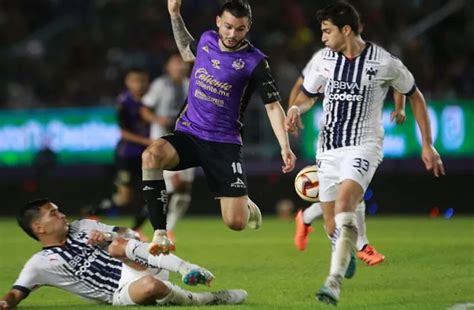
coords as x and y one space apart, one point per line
347 225
311 213
250 207
178 205
333 238
179 296
152 174
361 233
137 251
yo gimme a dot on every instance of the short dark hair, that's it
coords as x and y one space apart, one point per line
238 8
340 14
137 70
30 212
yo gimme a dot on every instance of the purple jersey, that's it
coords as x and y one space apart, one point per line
130 119
219 90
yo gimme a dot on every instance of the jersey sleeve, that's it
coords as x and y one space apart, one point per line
314 78
265 83
151 98
305 70
402 79
93 225
30 276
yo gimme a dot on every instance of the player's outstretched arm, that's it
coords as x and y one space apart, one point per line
295 91
429 155
98 236
398 114
150 117
181 35
277 120
131 137
11 299
301 104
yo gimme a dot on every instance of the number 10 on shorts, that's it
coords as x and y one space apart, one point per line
237 167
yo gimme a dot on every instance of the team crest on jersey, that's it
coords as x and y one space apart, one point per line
371 72
205 48
238 64
216 63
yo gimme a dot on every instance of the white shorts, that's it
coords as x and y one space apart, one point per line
186 175
129 275
357 163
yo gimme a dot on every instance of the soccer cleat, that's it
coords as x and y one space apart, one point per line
198 275
229 297
255 218
330 291
351 268
370 256
160 243
302 232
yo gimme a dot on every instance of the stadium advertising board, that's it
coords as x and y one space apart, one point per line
89 135
451 123
75 135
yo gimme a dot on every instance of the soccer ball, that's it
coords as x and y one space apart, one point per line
307 184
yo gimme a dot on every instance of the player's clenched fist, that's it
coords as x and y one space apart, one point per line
97 237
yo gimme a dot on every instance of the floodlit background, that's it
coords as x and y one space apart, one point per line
61 68
62 63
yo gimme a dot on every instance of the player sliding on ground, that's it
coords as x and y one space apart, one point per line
227 69
104 264
354 76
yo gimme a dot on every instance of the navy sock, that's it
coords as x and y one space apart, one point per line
156 201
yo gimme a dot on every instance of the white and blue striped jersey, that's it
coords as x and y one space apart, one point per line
354 91
77 267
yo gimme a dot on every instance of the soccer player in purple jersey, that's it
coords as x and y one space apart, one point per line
227 69
134 120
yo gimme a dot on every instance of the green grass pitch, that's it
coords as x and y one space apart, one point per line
429 264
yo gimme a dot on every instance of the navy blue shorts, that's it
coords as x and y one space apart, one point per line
222 163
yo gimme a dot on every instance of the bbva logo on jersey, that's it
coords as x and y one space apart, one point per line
333 84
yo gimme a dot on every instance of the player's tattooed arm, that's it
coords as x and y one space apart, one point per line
183 38
181 35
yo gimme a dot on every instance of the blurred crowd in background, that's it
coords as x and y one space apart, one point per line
74 52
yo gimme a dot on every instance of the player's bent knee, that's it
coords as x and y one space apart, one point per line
344 206
153 288
153 157
236 223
